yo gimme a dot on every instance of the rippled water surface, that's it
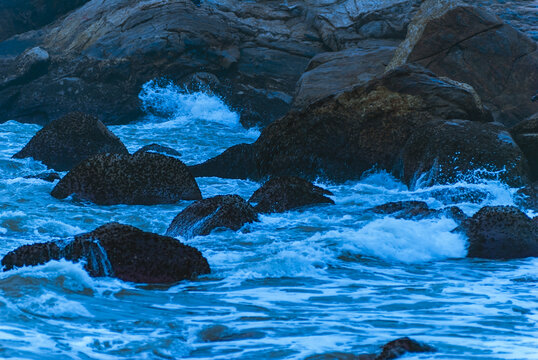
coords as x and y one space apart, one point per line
320 279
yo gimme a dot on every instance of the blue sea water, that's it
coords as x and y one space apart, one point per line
319 279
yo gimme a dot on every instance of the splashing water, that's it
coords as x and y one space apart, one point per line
319 279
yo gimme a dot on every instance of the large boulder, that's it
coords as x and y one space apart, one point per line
342 136
103 52
204 216
445 152
501 232
332 72
120 251
525 134
67 141
144 179
471 45
281 194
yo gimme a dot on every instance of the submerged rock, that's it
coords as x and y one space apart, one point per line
204 216
120 251
418 210
389 351
159 149
501 232
286 193
471 45
45 176
67 141
143 179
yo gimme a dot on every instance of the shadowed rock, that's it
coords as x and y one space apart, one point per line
143 179
28 66
525 134
501 232
236 162
474 46
67 141
204 216
120 251
286 193
159 149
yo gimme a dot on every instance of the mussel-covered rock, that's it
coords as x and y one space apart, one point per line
471 45
67 141
120 251
285 193
204 216
144 179
501 232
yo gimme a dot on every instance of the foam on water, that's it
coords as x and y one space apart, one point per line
319 279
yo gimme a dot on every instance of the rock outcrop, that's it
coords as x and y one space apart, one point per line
103 52
143 179
281 194
472 45
67 141
204 216
120 251
373 126
501 232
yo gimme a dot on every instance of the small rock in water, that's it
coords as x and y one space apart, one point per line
67 141
46 176
418 210
159 149
120 251
500 232
281 194
142 179
224 333
202 217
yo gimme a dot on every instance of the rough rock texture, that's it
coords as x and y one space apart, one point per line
159 149
501 232
389 351
471 45
67 141
121 251
31 255
143 179
204 216
340 137
18 16
45 176
417 210
332 72
525 134
104 51
444 152
281 194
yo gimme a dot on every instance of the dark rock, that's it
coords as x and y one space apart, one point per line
45 176
20 16
28 66
525 134
237 162
286 193
501 232
527 196
444 152
204 216
224 333
144 179
402 346
31 255
67 141
121 251
332 72
418 210
471 45
159 149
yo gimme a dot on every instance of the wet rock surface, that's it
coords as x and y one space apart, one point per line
501 232
45 176
471 45
143 179
286 193
417 210
204 216
159 149
120 251
67 141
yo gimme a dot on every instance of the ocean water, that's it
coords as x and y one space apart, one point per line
315 280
